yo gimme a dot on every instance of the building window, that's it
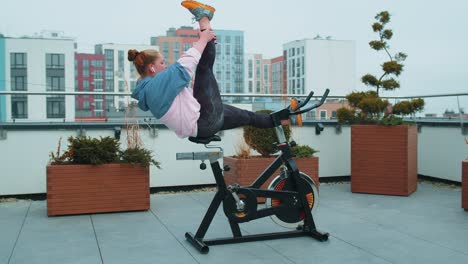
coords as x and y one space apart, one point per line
250 86
19 83
109 104
303 68
98 85
257 71
55 61
250 69
109 75
121 61
18 60
218 48
265 73
121 86
303 86
293 68
132 71
56 107
98 105
85 73
19 107
187 46
97 75
228 39
86 105
96 63
323 114
109 56
109 86
86 85
333 116
55 83
258 87
311 115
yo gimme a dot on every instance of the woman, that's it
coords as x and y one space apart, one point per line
166 93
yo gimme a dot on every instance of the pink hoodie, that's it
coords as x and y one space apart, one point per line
184 112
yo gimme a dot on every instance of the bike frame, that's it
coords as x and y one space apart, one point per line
292 174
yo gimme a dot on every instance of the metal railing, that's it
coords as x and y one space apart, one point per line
249 98
227 94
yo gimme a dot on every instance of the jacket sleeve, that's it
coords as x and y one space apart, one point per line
164 88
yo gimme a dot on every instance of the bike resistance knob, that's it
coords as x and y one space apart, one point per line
202 166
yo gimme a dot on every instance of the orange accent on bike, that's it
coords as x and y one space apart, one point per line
240 215
279 187
299 116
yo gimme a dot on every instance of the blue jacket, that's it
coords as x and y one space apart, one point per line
157 93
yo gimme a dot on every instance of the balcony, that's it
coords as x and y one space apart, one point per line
427 227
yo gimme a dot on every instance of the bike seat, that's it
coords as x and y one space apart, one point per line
204 141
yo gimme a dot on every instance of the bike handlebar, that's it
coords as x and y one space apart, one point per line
322 100
289 111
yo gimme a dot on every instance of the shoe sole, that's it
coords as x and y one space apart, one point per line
195 4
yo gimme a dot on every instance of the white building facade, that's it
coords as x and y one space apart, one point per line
38 64
253 74
228 67
120 75
318 64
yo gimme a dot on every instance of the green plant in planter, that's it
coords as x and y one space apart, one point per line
303 151
368 107
87 150
94 151
138 155
262 140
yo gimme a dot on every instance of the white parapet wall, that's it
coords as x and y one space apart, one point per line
441 151
24 155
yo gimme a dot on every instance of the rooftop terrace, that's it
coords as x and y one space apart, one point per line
427 227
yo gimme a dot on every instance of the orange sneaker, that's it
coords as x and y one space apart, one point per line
199 10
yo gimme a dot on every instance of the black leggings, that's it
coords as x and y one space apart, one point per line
214 115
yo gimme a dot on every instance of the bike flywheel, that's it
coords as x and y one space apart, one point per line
292 217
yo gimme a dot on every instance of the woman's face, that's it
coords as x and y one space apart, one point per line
159 64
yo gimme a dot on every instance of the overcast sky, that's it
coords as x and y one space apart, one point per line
433 33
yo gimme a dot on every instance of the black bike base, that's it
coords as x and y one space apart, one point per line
202 244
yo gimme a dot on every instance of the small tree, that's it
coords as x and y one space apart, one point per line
368 107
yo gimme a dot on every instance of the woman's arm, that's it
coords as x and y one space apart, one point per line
191 57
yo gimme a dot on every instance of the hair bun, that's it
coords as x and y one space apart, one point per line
132 54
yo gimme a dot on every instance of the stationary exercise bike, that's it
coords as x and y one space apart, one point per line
291 196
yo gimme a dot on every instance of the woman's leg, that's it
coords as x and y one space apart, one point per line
206 90
236 117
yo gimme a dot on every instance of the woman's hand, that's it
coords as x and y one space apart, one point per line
206 35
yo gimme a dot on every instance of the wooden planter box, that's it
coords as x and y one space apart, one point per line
83 189
465 185
384 159
245 171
